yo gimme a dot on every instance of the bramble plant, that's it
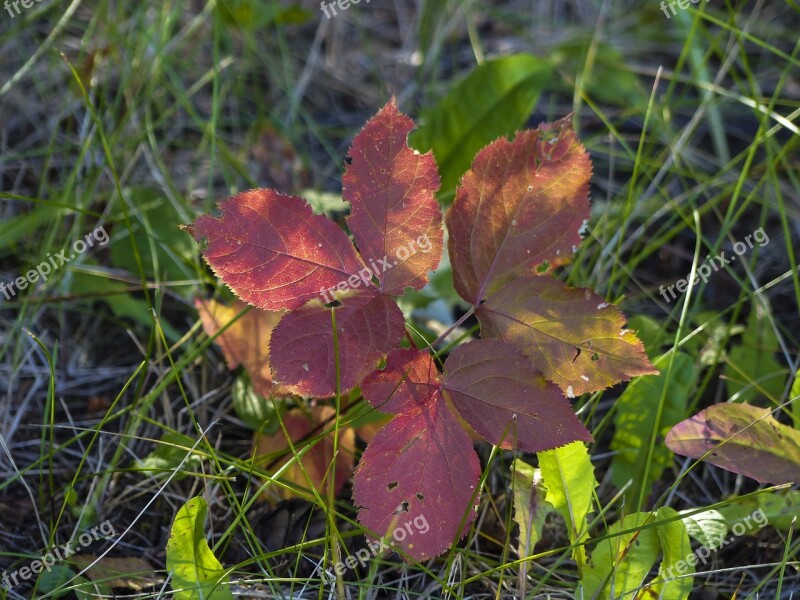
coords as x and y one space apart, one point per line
517 215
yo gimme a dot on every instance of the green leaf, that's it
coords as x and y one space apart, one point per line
709 528
257 412
636 418
530 505
651 332
619 564
494 100
56 581
569 479
751 370
676 548
166 254
747 515
196 572
122 304
170 452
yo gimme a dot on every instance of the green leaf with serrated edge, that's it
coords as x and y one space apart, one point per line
494 100
635 420
741 438
568 476
751 370
618 565
676 549
530 506
196 572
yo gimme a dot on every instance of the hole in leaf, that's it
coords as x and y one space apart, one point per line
333 304
420 497
215 212
577 354
392 485
402 508
595 356
348 160
543 267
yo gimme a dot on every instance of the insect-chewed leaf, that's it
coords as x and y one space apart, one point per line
246 342
741 438
391 189
410 379
572 335
518 210
303 352
272 251
417 481
495 389
313 469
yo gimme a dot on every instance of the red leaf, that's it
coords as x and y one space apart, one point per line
410 379
391 189
303 355
272 251
420 468
505 400
519 210
572 335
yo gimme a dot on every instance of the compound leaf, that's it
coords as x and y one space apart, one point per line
272 251
496 391
741 438
304 351
572 335
519 209
419 466
244 343
391 189
196 572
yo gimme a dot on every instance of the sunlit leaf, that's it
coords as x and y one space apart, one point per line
572 335
272 251
741 438
421 466
519 210
196 572
391 189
